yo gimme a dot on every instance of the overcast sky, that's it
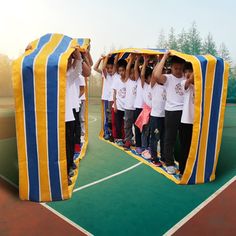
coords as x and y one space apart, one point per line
113 24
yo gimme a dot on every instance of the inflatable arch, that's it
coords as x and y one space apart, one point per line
39 80
210 81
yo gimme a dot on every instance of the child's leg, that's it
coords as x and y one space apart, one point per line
172 121
145 136
161 128
154 137
109 111
106 131
136 129
77 131
82 118
185 137
70 128
128 123
113 121
119 115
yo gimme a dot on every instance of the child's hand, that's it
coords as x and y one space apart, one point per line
166 55
146 58
77 54
115 108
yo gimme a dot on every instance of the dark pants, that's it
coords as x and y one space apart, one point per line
172 127
138 139
70 130
157 133
145 136
106 103
77 134
119 121
187 138
129 121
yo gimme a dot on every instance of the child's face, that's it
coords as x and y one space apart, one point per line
187 73
121 71
109 68
132 74
177 70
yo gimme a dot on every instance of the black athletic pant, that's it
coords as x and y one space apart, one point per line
119 120
172 127
70 129
77 134
187 138
138 134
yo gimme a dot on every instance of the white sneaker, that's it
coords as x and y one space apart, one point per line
170 170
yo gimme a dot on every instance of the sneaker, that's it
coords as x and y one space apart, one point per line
71 172
77 148
127 144
156 163
146 155
111 139
74 166
106 136
139 150
119 142
69 181
170 170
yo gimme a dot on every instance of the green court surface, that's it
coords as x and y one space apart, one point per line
139 201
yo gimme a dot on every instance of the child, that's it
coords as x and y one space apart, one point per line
143 119
108 72
138 105
187 115
119 93
157 121
131 88
82 105
75 66
173 106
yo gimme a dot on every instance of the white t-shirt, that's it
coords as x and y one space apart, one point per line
72 93
188 109
174 93
131 91
107 92
82 83
147 94
138 103
120 88
158 100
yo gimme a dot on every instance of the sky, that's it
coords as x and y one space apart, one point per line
113 24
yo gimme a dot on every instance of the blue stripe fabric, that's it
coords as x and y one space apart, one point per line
30 126
203 62
80 41
214 118
52 117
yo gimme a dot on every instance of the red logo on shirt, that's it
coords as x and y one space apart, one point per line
178 89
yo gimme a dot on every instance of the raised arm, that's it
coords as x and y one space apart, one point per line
104 65
115 64
145 63
189 81
97 64
157 72
136 67
128 68
90 60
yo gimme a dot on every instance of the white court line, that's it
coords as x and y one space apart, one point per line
94 119
66 219
108 177
52 210
198 208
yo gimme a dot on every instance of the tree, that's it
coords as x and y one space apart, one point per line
195 40
162 44
209 46
172 41
183 42
223 52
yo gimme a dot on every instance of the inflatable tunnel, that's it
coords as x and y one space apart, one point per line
39 82
210 82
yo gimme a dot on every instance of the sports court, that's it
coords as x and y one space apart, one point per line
117 195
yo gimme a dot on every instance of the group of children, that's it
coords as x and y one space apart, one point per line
78 68
144 105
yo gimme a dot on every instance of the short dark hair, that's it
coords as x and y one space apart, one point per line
110 61
176 60
188 66
122 63
148 72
